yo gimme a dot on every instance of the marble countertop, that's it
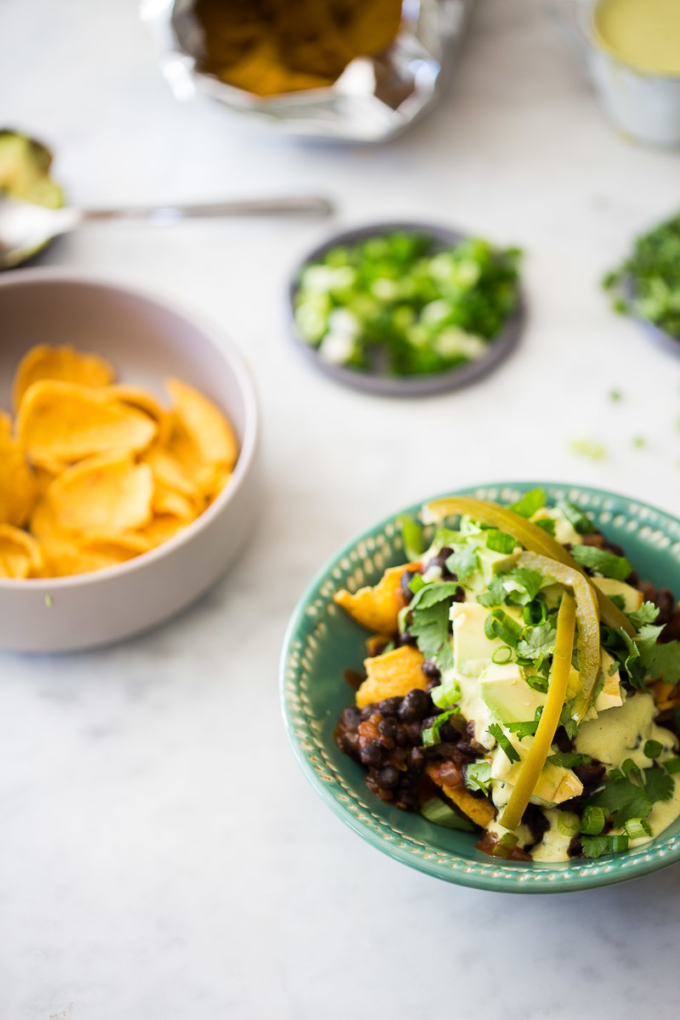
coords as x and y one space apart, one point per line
161 855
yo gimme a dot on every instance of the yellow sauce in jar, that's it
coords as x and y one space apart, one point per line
642 33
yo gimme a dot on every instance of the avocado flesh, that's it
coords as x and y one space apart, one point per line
24 171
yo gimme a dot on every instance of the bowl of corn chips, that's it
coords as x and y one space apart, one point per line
128 443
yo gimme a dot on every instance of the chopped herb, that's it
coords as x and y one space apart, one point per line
463 562
522 585
615 395
478 776
529 503
653 749
495 595
639 442
548 524
659 785
500 541
647 613
496 731
660 661
617 844
618 601
502 655
579 520
429 613
567 720
538 641
412 536
447 694
594 846
588 448
568 823
431 734
48 601
528 728
416 583
604 562
652 272
567 760
622 799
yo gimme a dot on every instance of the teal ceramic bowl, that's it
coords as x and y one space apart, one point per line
322 641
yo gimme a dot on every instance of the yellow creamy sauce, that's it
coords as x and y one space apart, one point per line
642 33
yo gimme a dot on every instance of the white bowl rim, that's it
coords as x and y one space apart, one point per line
227 349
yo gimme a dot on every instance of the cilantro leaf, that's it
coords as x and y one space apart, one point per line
567 760
522 585
429 612
539 641
529 503
567 721
622 799
495 595
496 731
594 846
660 661
647 613
579 521
463 562
547 524
500 541
604 562
478 776
528 728
658 784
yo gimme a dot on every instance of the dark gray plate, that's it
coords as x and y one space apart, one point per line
405 386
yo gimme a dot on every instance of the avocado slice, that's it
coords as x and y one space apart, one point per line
632 598
25 170
507 695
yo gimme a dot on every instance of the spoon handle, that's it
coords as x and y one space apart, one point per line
294 206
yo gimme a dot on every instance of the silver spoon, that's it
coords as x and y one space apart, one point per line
26 228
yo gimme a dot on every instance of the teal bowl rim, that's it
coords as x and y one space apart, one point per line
495 876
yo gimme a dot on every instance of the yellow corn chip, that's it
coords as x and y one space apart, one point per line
20 554
106 493
144 401
168 471
162 528
205 424
61 363
173 503
18 486
65 421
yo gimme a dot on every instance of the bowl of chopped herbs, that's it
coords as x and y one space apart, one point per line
647 284
407 309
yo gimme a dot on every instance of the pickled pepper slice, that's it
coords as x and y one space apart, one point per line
532 765
587 616
532 537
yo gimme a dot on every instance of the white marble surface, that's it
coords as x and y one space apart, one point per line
161 857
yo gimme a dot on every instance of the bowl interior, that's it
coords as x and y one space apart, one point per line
145 340
322 642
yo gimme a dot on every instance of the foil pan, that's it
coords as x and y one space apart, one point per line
373 99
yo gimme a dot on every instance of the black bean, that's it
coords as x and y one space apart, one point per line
575 848
372 754
388 777
406 639
414 706
389 706
388 727
665 600
351 717
367 712
447 733
430 669
416 759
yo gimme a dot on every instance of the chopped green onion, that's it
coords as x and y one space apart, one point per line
592 821
568 823
653 749
502 655
617 844
430 736
538 683
638 828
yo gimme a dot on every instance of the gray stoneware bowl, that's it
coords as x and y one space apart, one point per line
146 340
402 386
